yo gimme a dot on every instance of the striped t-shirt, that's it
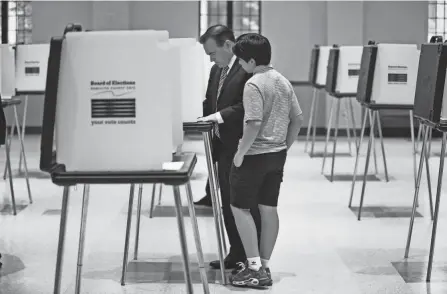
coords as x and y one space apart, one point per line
269 97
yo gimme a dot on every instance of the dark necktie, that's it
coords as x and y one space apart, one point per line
223 75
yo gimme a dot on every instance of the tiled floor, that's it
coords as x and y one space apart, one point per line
322 247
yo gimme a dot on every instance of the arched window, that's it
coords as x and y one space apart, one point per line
240 16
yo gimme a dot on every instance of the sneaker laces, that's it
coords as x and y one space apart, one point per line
241 266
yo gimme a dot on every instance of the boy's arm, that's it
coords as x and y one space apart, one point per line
296 120
253 106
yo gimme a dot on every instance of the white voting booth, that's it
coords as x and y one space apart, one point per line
395 74
322 65
31 67
348 69
115 111
7 80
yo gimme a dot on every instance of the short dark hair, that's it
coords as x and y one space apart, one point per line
254 46
218 33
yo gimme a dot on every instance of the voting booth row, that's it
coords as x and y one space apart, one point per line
23 72
115 114
390 76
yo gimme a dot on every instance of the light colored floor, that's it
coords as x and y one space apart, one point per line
322 247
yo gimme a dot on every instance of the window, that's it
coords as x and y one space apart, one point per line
240 16
437 12
16 22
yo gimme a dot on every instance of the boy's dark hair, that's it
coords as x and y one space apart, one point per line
254 46
218 33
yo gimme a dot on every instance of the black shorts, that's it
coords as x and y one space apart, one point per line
257 180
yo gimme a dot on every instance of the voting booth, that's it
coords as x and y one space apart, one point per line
388 74
343 69
110 98
8 79
127 110
31 67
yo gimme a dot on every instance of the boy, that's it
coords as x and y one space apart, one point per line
272 121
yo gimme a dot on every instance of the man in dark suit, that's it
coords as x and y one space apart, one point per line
223 105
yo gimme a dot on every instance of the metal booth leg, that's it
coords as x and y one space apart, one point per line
368 155
159 194
379 127
414 146
309 124
151 211
362 132
348 125
416 191
82 238
427 170
61 242
314 125
438 199
137 229
183 243
11 183
8 142
354 130
421 126
195 227
126 242
25 108
328 132
22 151
334 148
217 211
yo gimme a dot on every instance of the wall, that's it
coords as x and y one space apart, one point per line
51 17
303 24
293 27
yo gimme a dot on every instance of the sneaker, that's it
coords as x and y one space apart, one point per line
269 275
249 277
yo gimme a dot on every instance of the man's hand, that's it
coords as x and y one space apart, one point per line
238 159
211 118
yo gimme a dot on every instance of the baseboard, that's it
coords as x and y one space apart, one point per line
31 130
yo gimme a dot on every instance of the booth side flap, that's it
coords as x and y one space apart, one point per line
314 65
49 111
366 75
430 82
332 70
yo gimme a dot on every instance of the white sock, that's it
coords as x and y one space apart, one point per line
254 263
265 263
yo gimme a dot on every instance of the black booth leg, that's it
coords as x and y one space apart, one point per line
137 229
328 133
11 184
151 211
82 238
382 145
334 148
126 242
61 242
362 132
183 243
8 144
195 227
309 124
416 191
438 199
314 124
368 155
430 195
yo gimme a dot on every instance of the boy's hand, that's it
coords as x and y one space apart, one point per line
238 159
211 118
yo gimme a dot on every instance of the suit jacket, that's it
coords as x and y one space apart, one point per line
229 103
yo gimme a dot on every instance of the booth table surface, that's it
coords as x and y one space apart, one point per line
197 126
167 177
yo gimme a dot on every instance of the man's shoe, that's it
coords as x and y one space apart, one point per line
229 263
204 202
250 277
269 274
